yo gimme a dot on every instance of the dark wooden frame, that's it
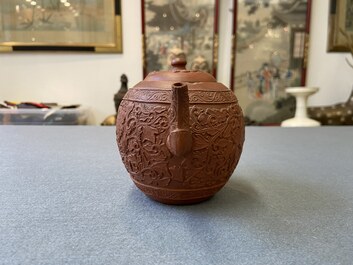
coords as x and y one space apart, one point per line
215 39
337 38
118 48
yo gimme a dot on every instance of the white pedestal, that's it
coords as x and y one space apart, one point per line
301 118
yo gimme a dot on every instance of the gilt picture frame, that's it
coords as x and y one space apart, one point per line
340 25
270 52
61 25
172 28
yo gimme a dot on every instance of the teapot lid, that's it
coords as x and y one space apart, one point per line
180 74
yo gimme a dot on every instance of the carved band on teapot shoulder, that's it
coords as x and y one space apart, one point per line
195 96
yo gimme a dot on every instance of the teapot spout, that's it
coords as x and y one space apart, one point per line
179 141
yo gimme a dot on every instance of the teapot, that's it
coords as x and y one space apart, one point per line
180 134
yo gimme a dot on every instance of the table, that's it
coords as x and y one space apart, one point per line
65 198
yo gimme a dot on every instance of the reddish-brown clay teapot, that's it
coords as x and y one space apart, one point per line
180 135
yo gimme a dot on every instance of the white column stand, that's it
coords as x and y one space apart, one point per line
301 118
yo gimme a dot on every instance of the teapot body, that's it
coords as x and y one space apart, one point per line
146 126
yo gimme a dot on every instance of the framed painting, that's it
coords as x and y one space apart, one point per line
270 50
171 28
60 25
340 35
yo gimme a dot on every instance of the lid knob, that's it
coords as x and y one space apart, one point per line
179 63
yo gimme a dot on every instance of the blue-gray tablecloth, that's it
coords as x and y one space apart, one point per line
65 198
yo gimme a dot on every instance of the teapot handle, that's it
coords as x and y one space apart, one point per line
179 141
